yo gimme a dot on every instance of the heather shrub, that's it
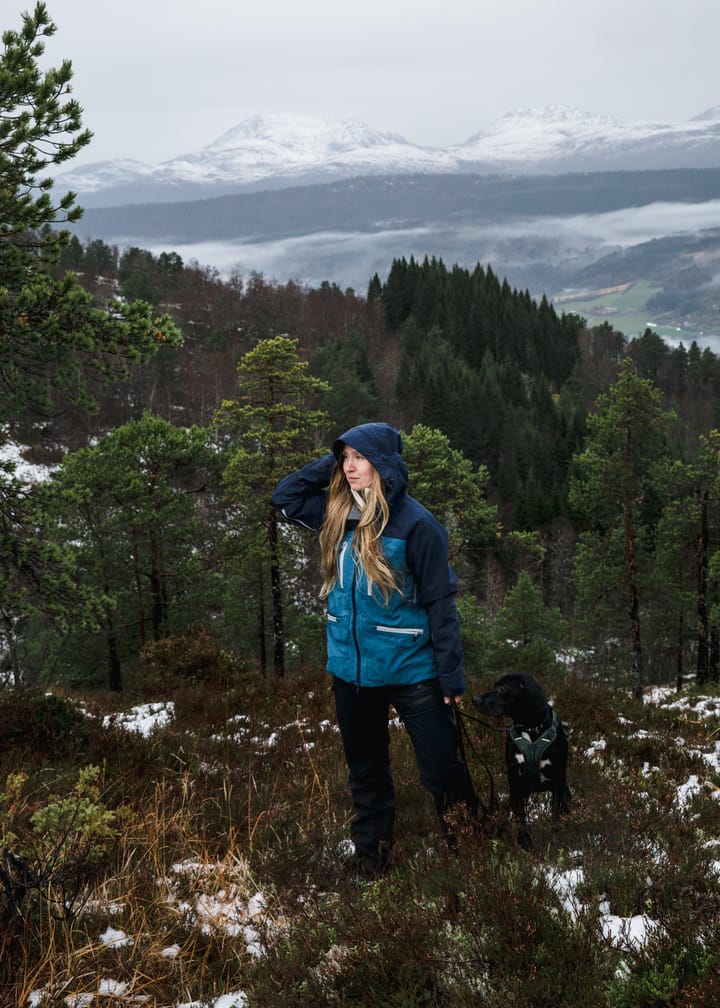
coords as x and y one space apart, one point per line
193 658
41 726
225 867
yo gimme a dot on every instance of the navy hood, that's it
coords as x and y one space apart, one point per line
382 446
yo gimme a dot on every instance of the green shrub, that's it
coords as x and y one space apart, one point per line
46 726
669 974
194 657
53 840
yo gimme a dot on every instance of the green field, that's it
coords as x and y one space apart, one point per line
626 311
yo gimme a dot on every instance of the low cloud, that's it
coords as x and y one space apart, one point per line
532 252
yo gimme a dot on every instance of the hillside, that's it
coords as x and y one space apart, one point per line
681 275
220 876
376 204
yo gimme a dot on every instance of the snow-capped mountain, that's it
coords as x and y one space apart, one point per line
709 115
266 151
558 139
274 151
292 148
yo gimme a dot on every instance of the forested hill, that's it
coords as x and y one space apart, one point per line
507 379
161 496
372 204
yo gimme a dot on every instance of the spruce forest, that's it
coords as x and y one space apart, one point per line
149 406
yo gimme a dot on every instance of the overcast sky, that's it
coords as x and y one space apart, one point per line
159 78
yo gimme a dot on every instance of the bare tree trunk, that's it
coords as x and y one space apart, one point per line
261 625
159 603
276 591
636 668
636 665
11 659
679 654
714 665
138 585
114 667
703 618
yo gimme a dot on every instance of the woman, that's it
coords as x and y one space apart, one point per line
393 635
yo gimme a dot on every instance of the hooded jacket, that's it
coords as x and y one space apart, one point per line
416 635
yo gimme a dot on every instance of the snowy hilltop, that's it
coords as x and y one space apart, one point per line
274 151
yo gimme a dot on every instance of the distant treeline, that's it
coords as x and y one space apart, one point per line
507 379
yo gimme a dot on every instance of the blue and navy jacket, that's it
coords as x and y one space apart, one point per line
416 635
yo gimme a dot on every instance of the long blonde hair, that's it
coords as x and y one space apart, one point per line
365 546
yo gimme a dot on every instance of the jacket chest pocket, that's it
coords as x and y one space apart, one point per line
337 627
338 643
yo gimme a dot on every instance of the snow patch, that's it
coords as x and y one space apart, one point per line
624 932
143 719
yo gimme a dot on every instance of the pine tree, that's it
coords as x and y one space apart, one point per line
677 613
527 632
269 430
620 482
374 291
706 552
455 490
51 334
54 341
128 511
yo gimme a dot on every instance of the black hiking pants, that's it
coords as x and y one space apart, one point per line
363 720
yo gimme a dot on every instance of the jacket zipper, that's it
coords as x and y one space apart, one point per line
354 633
414 631
341 579
341 560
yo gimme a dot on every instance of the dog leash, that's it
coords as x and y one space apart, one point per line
464 736
484 724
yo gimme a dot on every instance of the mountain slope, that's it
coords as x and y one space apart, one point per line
558 138
376 204
276 151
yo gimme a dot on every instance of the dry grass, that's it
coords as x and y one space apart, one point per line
227 873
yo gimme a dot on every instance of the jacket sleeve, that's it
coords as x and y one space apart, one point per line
302 496
427 556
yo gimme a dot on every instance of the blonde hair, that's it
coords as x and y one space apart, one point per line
365 546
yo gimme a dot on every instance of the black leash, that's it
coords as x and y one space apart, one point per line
490 727
464 736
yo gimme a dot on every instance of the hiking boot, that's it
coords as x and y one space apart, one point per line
367 869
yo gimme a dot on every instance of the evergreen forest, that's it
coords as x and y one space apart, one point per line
575 443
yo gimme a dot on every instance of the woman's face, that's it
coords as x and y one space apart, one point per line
358 471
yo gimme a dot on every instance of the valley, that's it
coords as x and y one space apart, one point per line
628 265
625 308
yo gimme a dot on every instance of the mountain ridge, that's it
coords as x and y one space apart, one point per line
280 150
538 231
376 203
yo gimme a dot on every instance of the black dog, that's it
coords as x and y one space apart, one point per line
536 746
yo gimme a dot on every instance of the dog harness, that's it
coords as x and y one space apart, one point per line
534 750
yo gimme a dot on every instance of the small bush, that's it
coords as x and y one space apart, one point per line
182 659
669 974
53 841
46 726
